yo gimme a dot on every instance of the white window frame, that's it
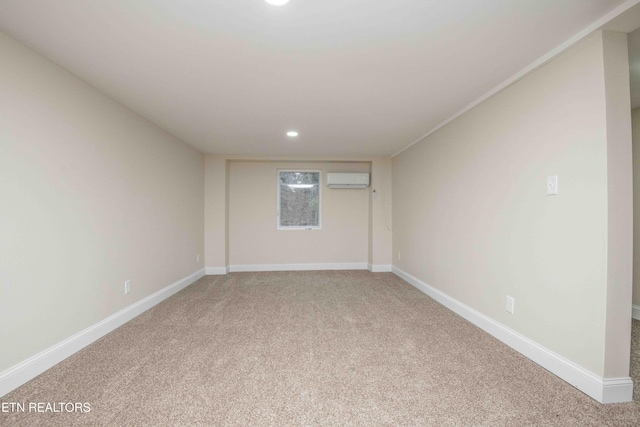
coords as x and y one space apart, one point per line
308 227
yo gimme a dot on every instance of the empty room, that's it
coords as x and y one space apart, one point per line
327 213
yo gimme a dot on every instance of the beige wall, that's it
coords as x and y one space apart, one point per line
636 206
380 214
92 195
471 216
215 213
217 217
619 283
253 235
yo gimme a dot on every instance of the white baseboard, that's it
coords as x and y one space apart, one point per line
635 313
610 390
23 372
298 267
216 271
379 268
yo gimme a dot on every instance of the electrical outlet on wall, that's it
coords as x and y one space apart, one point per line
510 304
127 287
552 185
398 254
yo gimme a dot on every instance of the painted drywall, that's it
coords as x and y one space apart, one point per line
253 235
215 213
92 195
380 214
217 172
619 283
471 216
635 114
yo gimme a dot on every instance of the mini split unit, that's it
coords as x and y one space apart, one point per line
347 180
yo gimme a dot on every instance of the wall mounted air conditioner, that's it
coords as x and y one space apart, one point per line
347 180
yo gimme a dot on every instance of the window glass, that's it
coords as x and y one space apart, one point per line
299 199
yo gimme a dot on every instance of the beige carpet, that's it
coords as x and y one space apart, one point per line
307 348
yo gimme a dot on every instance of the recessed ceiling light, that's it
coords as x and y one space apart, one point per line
292 133
277 2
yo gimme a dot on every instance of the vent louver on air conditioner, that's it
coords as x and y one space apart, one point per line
347 180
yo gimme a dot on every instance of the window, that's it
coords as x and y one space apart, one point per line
299 200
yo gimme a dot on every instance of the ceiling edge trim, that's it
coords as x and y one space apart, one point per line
531 67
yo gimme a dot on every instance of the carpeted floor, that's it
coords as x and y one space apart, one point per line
308 348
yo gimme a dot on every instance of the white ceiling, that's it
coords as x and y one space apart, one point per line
356 78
